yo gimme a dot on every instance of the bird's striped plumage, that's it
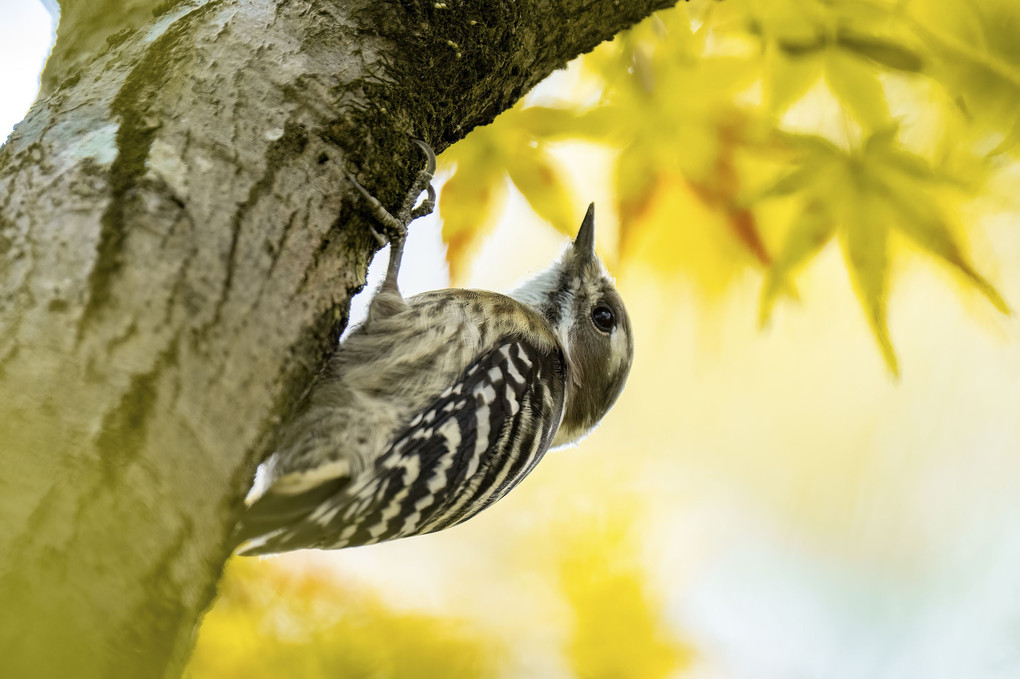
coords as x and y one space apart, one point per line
477 440
437 406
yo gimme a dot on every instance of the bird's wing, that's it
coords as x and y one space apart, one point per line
468 448
276 509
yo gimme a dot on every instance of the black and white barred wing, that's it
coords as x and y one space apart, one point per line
469 448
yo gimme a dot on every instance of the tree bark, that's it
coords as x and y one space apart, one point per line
178 246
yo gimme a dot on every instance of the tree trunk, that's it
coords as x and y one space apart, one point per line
178 246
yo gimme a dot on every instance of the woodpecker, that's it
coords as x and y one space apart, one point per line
438 405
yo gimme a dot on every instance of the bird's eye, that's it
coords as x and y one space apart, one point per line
603 317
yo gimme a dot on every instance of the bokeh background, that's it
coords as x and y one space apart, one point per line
812 209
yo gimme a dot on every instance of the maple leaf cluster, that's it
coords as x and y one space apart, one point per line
748 135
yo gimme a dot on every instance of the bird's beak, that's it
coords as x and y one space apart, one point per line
584 244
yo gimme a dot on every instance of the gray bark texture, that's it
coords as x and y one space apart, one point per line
178 246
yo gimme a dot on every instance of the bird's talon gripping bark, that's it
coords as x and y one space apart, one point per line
394 228
427 205
422 182
391 227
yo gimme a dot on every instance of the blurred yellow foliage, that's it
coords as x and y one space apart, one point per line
618 632
273 619
891 114
278 622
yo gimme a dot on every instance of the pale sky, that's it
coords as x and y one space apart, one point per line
25 35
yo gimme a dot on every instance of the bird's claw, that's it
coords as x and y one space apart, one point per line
395 227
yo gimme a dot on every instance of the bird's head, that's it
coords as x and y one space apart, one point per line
577 296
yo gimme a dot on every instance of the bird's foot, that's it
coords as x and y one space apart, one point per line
394 228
